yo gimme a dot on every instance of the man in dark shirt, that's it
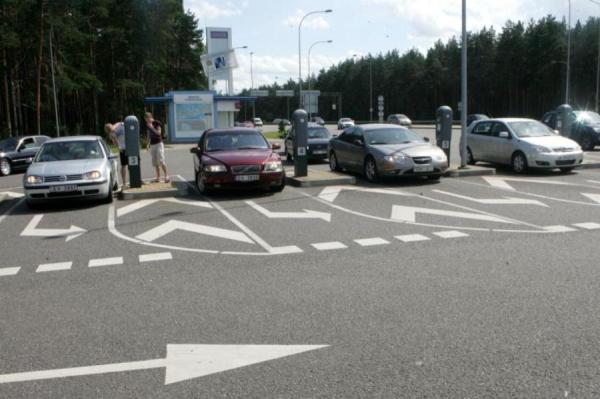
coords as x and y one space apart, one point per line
156 146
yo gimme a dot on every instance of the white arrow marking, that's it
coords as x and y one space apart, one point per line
501 182
329 194
144 203
409 213
593 197
183 362
496 201
31 230
307 214
172 225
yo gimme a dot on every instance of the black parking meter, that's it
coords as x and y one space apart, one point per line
564 120
132 149
443 128
300 121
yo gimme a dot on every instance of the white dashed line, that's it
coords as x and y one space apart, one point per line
326 246
155 257
451 234
52 267
412 238
588 226
9 271
559 229
369 242
105 262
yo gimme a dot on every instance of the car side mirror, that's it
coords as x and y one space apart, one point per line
504 135
275 146
359 142
426 139
194 150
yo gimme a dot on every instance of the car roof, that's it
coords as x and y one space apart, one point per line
378 126
313 124
507 120
73 138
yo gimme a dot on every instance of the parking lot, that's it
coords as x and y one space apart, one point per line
405 288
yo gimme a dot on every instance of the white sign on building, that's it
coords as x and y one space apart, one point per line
219 57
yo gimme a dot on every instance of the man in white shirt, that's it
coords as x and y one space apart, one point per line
116 132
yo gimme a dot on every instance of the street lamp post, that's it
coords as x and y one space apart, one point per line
598 67
309 79
568 88
463 110
252 87
370 86
300 52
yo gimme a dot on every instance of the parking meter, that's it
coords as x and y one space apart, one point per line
443 128
132 150
564 120
300 121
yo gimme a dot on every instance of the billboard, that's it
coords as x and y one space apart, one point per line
193 114
216 62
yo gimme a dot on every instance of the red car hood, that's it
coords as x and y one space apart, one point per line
243 157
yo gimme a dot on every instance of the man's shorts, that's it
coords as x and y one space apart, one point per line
158 154
123 158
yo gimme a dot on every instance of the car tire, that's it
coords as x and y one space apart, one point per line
109 196
519 162
470 159
333 162
566 170
370 170
434 177
279 188
5 167
587 143
201 186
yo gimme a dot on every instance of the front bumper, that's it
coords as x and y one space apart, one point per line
410 168
228 180
80 189
552 160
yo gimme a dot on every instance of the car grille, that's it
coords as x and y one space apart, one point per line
568 162
54 179
317 147
245 169
74 177
64 194
563 149
422 160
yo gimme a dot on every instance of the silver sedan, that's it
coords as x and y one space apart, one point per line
71 167
379 150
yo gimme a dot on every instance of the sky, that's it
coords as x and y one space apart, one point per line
357 27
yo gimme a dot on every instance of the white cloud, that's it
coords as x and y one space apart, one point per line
206 10
313 21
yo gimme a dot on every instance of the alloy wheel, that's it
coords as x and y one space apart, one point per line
5 167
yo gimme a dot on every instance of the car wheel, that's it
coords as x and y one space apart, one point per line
434 177
566 170
333 162
279 188
470 159
371 170
586 143
201 184
519 163
109 196
5 167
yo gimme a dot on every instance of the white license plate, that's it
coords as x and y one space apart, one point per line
423 168
63 189
319 152
247 178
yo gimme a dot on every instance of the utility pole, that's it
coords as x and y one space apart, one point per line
567 91
54 83
598 67
463 111
252 87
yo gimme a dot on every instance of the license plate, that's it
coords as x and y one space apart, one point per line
247 178
319 152
423 168
63 189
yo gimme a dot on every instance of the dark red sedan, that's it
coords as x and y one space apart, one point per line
237 158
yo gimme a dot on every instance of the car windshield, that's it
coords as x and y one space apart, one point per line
231 141
8 145
69 151
345 120
587 117
391 136
318 133
530 129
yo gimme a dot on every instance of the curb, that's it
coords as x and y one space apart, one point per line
178 190
307 182
470 172
590 165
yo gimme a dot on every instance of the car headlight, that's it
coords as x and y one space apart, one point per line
217 168
274 166
93 175
399 157
541 148
440 157
35 179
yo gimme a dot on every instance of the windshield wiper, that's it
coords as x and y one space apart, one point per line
251 148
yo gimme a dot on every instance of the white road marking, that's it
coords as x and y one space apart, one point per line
501 182
9 271
105 262
559 229
31 230
451 234
329 194
412 238
173 225
587 226
369 242
144 203
594 181
327 246
12 194
593 197
409 214
495 201
52 267
306 214
155 257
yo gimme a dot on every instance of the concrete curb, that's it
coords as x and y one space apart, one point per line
470 172
590 165
315 182
179 189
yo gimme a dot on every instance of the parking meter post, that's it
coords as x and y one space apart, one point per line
300 121
132 149
443 129
564 120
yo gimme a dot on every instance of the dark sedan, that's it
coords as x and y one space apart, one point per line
16 153
318 140
585 129
236 158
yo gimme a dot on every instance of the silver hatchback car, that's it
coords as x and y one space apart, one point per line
521 143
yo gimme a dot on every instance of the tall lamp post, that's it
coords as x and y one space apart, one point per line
300 51
568 88
370 86
252 87
309 79
463 110
598 67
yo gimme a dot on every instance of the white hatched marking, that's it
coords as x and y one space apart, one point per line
412 238
52 267
155 257
9 271
106 262
588 226
369 242
326 246
451 234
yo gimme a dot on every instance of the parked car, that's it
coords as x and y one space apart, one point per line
476 117
585 129
344 123
521 143
318 120
245 124
236 158
379 150
399 119
16 153
286 122
318 141
71 167
257 122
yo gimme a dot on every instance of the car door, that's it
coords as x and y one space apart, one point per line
341 146
26 150
356 150
479 141
502 146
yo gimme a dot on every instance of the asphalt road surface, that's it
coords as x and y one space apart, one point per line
464 288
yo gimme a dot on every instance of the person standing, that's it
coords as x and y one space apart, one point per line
156 146
116 133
